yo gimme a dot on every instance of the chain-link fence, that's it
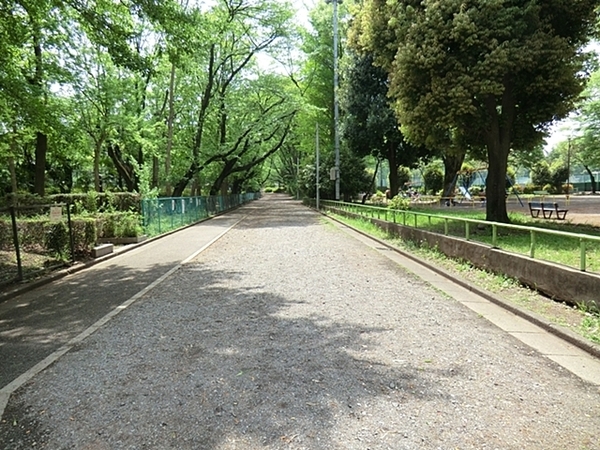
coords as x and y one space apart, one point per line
40 238
34 240
165 214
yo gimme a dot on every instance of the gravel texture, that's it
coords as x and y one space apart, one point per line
287 333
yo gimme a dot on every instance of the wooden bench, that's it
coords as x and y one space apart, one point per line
547 210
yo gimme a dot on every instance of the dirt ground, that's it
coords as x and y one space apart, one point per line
583 209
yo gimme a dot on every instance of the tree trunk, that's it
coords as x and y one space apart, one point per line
41 141
41 148
495 187
170 121
372 185
592 178
124 169
197 143
498 137
97 149
155 172
225 172
452 165
11 164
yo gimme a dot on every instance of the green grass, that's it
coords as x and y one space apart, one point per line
559 249
584 322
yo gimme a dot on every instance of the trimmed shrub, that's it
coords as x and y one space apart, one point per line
400 203
57 239
378 199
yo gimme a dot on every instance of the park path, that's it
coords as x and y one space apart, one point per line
41 321
287 332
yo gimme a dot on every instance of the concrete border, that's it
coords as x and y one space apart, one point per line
557 281
563 333
522 325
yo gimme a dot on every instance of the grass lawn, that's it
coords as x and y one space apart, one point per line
559 249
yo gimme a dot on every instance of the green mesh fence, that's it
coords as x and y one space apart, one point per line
161 215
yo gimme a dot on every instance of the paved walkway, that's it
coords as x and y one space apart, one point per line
38 323
39 327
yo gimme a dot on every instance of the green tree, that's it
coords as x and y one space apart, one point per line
541 175
236 32
585 149
370 126
497 71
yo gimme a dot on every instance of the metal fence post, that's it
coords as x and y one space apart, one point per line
71 237
13 217
582 261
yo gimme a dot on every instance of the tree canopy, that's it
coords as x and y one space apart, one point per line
141 95
175 98
371 127
497 72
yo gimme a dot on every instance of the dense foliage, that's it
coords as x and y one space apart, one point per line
151 97
496 73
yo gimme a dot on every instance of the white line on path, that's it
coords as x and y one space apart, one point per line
11 387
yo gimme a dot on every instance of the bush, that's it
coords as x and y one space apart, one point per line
129 225
518 189
57 239
433 178
530 188
89 202
540 174
85 233
400 203
404 175
559 176
378 199
475 190
120 224
109 226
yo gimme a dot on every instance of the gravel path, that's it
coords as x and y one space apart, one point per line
287 333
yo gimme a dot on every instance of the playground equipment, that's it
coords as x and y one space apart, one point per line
464 179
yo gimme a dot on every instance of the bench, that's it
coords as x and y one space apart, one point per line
535 208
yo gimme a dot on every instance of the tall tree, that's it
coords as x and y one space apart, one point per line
370 125
585 149
497 71
240 31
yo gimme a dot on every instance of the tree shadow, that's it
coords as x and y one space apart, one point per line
200 365
41 321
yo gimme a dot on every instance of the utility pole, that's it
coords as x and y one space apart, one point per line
336 131
568 168
318 181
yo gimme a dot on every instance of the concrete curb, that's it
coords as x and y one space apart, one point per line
565 334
